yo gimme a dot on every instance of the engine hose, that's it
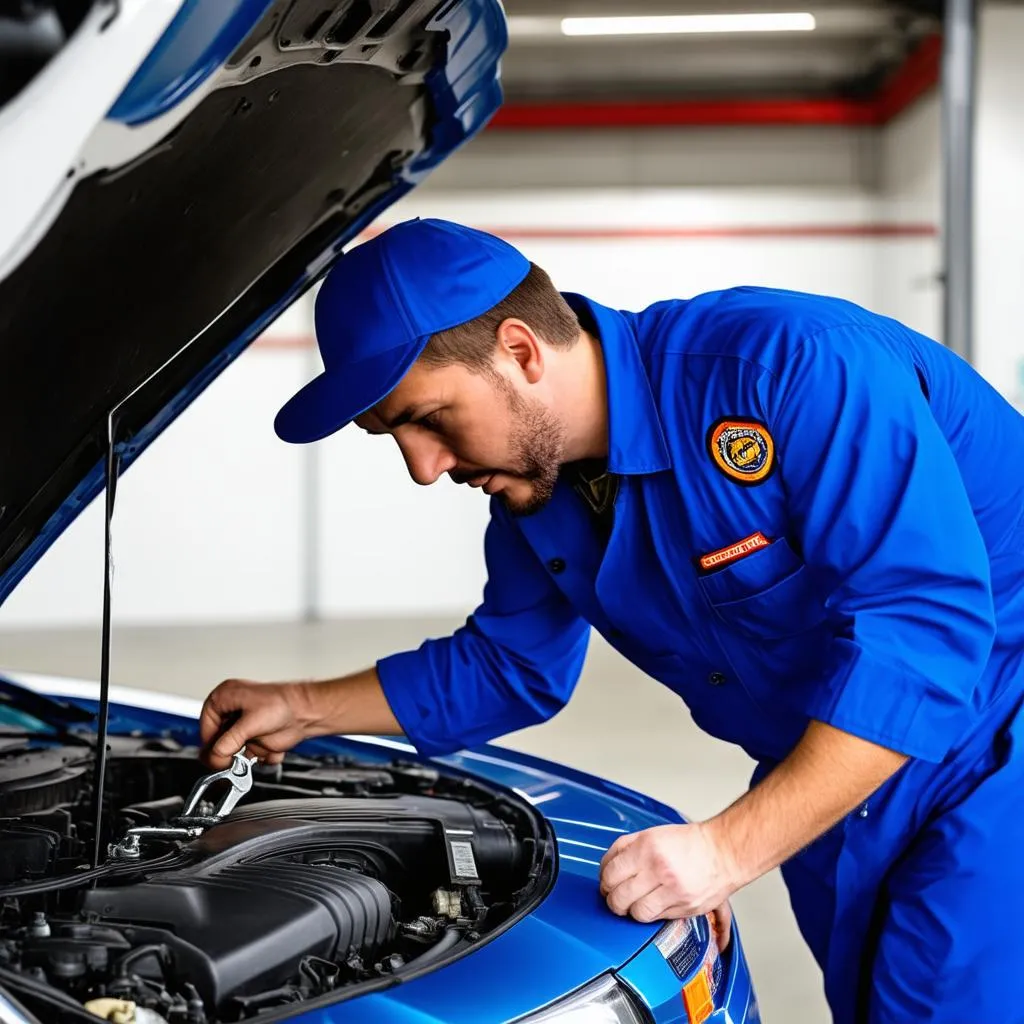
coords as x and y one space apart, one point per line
162 953
84 877
445 944
63 882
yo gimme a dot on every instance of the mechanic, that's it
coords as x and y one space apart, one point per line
805 519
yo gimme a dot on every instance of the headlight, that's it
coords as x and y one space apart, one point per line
604 1001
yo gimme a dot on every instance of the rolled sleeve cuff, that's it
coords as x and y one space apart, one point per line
400 677
887 703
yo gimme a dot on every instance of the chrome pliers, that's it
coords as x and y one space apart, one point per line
239 774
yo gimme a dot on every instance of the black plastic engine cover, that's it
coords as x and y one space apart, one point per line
283 879
237 929
406 839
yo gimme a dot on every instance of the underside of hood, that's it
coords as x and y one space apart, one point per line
161 268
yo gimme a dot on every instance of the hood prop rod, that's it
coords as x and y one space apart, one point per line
99 774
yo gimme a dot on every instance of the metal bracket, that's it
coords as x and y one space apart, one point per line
189 825
130 847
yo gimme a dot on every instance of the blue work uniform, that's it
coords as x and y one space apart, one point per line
820 515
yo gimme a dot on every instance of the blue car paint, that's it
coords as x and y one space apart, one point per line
567 941
199 39
465 92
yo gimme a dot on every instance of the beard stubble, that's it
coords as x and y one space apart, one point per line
536 449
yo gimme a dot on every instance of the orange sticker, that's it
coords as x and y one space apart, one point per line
697 998
742 449
723 556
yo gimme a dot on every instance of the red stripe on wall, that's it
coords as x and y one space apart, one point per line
681 114
918 73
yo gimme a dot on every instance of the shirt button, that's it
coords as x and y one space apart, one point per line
557 565
716 678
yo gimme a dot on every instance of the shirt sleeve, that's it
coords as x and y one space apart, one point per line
513 664
878 504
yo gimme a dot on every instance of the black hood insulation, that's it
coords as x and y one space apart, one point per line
308 126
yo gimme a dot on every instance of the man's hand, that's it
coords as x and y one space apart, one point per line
669 872
678 871
265 718
269 719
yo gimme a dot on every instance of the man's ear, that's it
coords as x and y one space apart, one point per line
518 342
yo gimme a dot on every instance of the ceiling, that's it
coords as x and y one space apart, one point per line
855 47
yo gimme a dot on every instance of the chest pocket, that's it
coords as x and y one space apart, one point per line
768 595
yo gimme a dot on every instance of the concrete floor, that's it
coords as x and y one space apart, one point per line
620 724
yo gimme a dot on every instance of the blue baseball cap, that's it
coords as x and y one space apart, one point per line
380 304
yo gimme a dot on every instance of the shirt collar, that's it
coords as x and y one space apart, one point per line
636 443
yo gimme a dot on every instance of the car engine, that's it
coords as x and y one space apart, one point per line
332 878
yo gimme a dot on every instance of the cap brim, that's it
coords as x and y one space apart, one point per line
333 400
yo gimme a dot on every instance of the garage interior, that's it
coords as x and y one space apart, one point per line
634 164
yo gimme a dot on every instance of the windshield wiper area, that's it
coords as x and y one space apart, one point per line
11 739
27 714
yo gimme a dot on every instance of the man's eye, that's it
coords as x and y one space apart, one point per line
431 421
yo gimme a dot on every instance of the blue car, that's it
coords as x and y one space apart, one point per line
173 174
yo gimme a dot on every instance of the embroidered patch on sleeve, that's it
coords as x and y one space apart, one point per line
742 449
723 556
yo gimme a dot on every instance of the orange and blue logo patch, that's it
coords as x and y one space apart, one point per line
742 449
723 556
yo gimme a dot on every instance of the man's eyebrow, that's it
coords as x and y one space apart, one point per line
402 418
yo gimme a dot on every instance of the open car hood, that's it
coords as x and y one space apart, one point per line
255 140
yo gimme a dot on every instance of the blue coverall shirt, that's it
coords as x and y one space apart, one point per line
820 516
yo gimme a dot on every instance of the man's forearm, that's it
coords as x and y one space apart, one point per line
269 719
352 704
826 776
674 871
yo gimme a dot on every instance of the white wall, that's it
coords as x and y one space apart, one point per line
999 206
387 546
221 521
908 282
659 158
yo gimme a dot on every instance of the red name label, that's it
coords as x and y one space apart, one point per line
723 556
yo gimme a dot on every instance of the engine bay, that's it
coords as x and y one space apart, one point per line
333 877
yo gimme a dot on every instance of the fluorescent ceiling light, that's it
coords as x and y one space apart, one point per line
688 23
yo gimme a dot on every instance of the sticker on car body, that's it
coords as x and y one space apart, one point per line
691 950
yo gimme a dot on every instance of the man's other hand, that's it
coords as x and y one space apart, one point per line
265 718
666 873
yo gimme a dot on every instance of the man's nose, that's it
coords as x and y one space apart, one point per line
427 459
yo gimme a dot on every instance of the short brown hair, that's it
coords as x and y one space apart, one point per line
535 301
